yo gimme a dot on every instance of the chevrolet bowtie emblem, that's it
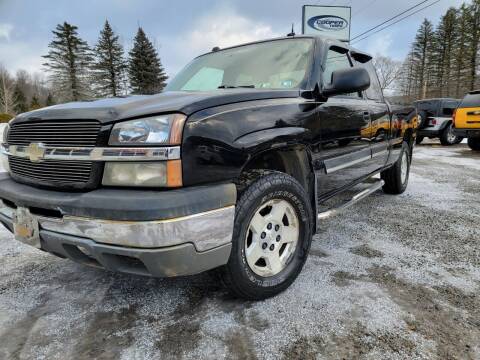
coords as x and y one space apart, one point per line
35 152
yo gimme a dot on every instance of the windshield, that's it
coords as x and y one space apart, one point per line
471 100
278 64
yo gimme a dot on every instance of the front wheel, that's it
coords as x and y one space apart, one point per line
271 237
474 144
396 177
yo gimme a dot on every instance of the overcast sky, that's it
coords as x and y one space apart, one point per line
182 29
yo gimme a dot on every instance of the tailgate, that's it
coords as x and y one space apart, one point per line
467 118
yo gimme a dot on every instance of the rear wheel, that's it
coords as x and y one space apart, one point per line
396 178
271 237
474 143
448 136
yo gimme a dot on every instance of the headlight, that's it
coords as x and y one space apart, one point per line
155 130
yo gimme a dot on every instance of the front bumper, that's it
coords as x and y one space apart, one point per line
467 133
178 238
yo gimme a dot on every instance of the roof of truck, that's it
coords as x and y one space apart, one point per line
361 55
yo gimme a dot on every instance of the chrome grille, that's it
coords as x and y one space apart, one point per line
56 173
55 133
52 172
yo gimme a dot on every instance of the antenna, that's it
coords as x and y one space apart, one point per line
292 33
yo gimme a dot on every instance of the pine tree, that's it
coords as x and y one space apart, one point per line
20 100
35 103
473 43
461 53
109 63
68 62
50 100
145 70
445 38
421 53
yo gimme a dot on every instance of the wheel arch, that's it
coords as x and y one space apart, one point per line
292 160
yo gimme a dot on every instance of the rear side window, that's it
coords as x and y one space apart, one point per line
429 106
374 92
471 100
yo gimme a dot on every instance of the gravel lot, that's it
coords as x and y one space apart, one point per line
394 277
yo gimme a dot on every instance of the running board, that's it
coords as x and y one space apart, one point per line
361 195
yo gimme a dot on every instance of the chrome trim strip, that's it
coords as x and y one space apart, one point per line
347 160
348 164
41 152
379 153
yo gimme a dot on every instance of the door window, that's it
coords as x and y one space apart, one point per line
336 61
374 92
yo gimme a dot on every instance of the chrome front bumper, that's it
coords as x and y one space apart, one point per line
179 246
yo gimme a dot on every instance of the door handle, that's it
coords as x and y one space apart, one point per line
366 115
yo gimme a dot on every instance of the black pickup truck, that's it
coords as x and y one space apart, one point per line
229 168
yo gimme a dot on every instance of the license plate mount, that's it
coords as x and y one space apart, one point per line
26 228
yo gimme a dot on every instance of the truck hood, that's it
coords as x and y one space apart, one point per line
114 109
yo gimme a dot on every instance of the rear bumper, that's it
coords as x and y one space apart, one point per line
166 245
467 133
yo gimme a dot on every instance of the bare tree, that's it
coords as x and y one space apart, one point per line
388 70
7 89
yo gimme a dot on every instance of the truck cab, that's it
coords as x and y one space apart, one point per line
231 168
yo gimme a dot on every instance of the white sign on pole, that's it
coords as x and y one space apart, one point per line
330 21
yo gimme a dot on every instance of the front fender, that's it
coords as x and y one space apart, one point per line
272 138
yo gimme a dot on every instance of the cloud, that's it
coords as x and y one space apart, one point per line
21 55
380 45
5 31
224 27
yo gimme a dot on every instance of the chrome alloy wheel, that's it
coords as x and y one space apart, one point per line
404 167
272 237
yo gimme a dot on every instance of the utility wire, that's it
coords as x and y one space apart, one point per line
365 7
395 22
392 18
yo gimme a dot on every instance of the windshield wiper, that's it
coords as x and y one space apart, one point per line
236 87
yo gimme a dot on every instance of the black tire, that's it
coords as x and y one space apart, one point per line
423 119
393 176
474 144
257 188
447 138
419 140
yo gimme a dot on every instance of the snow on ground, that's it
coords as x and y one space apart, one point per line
393 277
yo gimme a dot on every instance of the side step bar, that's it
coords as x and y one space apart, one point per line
361 195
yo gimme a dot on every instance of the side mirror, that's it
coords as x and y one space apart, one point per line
347 81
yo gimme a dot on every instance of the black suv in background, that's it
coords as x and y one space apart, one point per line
230 168
435 118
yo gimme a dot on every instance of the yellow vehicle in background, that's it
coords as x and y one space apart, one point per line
466 119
